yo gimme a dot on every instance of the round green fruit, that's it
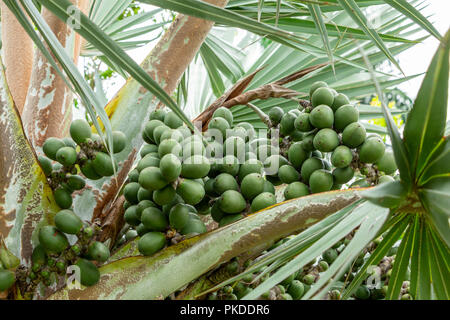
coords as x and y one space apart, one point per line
224 113
372 150
322 95
296 289
191 191
275 115
169 146
296 190
98 251
330 255
150 128
269 187
131 216
192 147
63 198
339 100
287 123
216 213
309 166
130 192
164 196
353 135
326 140
158 132
250 166
221 125
322 117
119 141
68 222
343 175
193 226
288 174
194 167
273 164
174 134
103 164
157 114
234 146
297 155
69 142
263 200
252 185
321 181
179 216
52 240
170 167
89 172
172 120
75 182
151 243
46 165
232 202
67 156
148 160
342 157
152 179
144 194
89 274
345 115
142 205
39 257
148 148
230 165
315 86
387 163
80 131
154 219
302 123
51 147
308 143
7 279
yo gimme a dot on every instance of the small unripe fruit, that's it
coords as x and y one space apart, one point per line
152 179
52 240
345 115
297 155
232 202
323 96
275 115
130 192
98 251
342 157
302 123
354 135
172 120
288 174
7 279
295 190
322 117
119 141
89 273
179 216
343 175
262 201
191 191
326 140
68 222
372 150
252 185
321 181
309 166
103 164
315 86
151 243
154 219
51 147
80 131
170 167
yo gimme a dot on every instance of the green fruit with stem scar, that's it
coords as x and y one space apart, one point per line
154 219
68 222
89 273
179 216
353 135
152 179
80 131
326 140
220 124
67 156
345 115
232 202
104 165
263 200
52 240
151 243
98 251
296 190
322 117
342 157
63 198
322 96
302 123
252 185
224 113
191 191
51 147
321 181
157 114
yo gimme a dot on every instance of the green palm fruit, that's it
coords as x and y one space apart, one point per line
67 156
315 86
142 205
296 135
69 142
372 150
330 255
61 266
385 179
273 164
224 113
229 219
387 163
308 143
98 251
345 115
75 182
326 140
130 192
193 226
7 279
342 157
362 292
179 216
230 165
268 187
150 128
51 147
131 234
68 222
216 213
89 273
191 191
151 243
221 124
38 257
148 148
323 266
152 179
250 166
288 174
154 219
157 114
309 166
296 289
80 131
354 135
322 117
88 171
321 181
308 279
343 175
131 216
144 194
157 133
265 151
297 155
209 187
286 296
52 240
275 115
166 208
103 164
172 134
194 167
46 165
164 196
232 202
119 141
302 123
322 95
150 160
169 146
170 167
339 100
172 120
296 190
63 198
263 200
234 146
252 185
191 148
250 130
141 230
287 123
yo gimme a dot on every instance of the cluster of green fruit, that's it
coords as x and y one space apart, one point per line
326 145
83 152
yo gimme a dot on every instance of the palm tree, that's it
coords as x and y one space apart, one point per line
189 71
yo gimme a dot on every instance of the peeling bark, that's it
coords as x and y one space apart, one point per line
17 50
48 107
